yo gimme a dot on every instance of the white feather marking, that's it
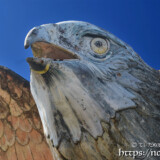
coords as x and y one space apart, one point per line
45 109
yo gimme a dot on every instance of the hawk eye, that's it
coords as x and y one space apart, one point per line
99 45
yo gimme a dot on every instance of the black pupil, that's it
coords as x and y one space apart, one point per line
98 44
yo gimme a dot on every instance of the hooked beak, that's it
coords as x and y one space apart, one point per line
39 40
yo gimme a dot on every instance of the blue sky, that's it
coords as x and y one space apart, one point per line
137 22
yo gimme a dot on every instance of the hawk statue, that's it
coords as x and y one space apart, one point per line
94 94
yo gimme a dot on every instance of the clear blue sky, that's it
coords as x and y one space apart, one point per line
137 22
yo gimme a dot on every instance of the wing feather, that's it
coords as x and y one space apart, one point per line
21 133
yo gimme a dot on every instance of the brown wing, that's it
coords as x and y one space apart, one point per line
21 132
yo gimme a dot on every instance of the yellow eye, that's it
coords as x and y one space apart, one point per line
99 45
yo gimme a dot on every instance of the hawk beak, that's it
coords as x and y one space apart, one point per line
38 65
40 44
